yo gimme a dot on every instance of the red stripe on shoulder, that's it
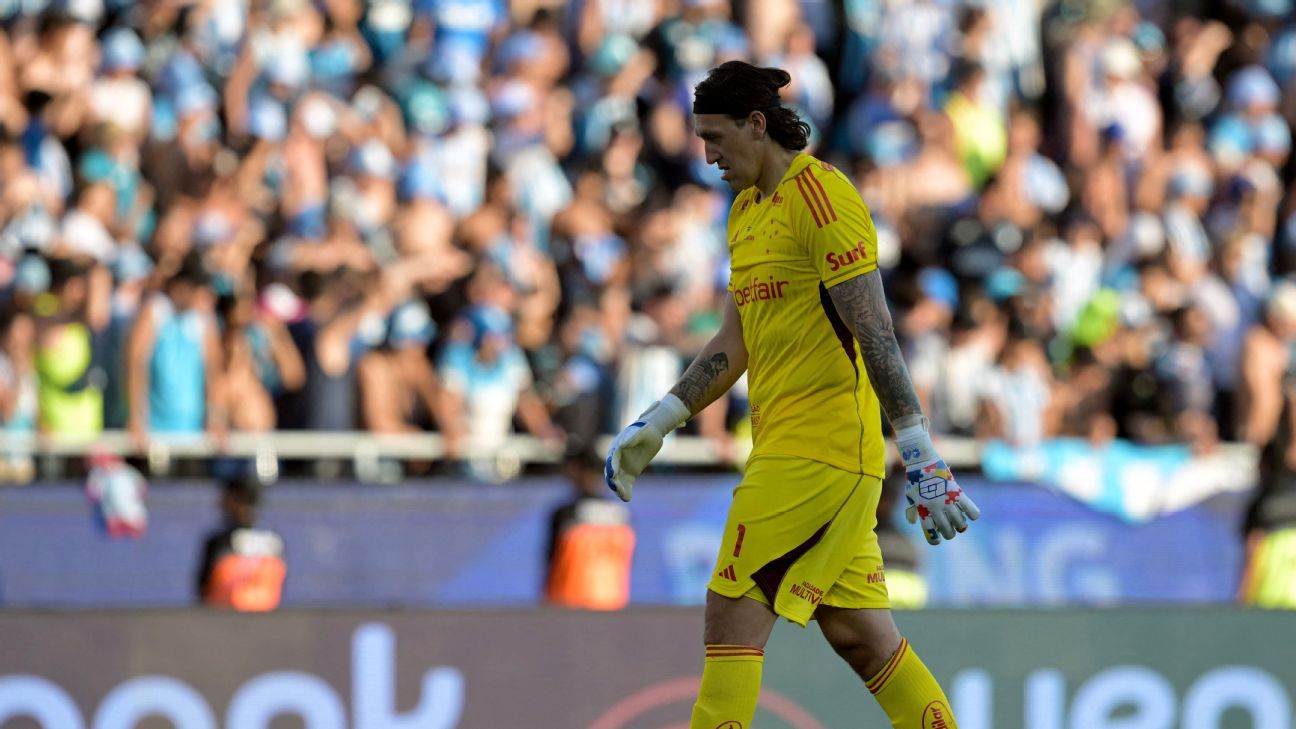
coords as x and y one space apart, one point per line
826 200
805 194
816 192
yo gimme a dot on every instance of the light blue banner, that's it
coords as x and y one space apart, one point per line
1135 482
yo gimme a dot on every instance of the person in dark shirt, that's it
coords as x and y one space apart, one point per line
1269 525
591 541
242 566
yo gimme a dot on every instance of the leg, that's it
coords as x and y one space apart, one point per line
774 556
865 638
869 641
735 635
737 621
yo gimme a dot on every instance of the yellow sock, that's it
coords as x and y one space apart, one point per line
731 680
909 694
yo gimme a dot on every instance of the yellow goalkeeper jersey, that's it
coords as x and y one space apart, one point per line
810 395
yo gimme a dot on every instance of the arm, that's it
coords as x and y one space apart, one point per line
333 344
292 371
138 351
427 385
717 367
534 415
454 426
378 408
862 305
933 494
715 370
217 406
1289 455
98 310
8 396
1260 391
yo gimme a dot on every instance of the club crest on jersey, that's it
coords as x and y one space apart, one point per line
839 260
777 200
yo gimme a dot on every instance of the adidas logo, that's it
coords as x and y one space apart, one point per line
728 574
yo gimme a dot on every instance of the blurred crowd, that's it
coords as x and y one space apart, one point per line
479 217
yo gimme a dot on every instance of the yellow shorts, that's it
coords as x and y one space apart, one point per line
800 535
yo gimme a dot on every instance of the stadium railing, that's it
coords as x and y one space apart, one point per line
367 451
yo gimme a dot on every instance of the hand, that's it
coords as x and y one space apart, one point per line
453 441
639 442
933 494
219 433
139 439
553 439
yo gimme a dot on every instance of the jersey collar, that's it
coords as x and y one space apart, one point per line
799 163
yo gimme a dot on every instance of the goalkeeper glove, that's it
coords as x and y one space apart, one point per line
933 494
639 442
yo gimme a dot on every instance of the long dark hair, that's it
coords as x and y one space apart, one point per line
736 89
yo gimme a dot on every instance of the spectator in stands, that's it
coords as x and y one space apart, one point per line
1187 391
242 566
119 97
980 130
1018 392
18 388
1267 358
340 321
930 299
1269 579
1084 400
69 371
582 387
488 382
537 157
132 271
1135 389
174 360
650 354
400 389
977 336
591 541
260 361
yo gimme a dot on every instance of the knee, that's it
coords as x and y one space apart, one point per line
737 621
866 657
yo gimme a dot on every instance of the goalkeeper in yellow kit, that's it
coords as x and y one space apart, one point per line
808 320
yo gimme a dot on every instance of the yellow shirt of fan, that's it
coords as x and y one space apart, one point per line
810 394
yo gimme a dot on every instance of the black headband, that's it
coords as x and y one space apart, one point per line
730 107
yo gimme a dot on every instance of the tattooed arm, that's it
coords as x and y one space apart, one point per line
714 371
933 496
863 307
719 365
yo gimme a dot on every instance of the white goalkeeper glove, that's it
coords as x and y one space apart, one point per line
933 494
639 442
